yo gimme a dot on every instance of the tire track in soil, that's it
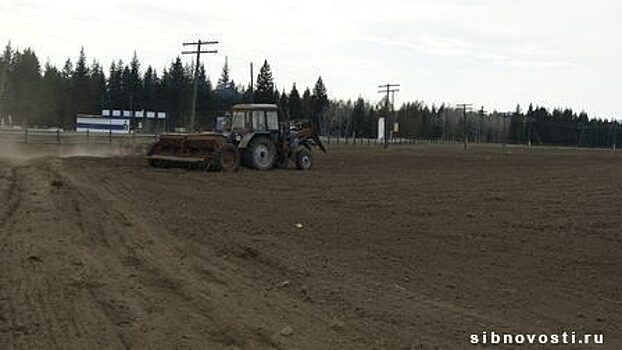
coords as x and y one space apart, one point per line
35 298
156 266
12 199
200 276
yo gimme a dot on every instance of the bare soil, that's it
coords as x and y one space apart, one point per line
410 248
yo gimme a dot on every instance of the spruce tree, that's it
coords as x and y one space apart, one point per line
306 105
284 104
25 86
5 69
295 104
319 103
134 85
149 88
81 87
115 89
52 86
224 80
264 93
97 82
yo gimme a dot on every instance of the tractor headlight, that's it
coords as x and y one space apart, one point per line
238 137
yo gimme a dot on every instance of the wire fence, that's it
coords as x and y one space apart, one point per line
61 137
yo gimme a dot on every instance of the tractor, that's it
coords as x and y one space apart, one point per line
255 136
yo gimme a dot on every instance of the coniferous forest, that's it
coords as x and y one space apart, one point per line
37 94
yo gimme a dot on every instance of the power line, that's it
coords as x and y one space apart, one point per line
388 89
198 52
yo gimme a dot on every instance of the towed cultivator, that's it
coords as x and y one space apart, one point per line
254 138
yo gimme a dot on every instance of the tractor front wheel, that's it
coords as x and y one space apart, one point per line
304 160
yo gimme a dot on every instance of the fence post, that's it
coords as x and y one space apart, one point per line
26 135
110 136
87 136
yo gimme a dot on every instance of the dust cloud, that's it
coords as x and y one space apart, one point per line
20 152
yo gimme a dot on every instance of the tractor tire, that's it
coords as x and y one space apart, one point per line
262 154
228 158
303 158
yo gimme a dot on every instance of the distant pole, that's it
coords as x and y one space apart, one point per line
529 121
481 113
388 89
465 107
614 124
252 85
503 134
198 52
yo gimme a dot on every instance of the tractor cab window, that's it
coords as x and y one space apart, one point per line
273 120
259 121
238 120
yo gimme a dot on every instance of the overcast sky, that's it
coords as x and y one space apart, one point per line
495 53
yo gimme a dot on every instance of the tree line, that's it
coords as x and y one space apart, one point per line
49 96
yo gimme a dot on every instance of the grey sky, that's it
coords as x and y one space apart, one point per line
495 53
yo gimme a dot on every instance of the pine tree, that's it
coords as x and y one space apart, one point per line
52 97
81 87
319 103
265 85
176 85
149 89
205 100
284 104
224 81
295 104
306 105
126 94
358 118
97 82
5 70
25 86
134 85
114 100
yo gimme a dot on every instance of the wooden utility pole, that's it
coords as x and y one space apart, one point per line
388 89
614 125
465 107
482 114
504 133
252 95
198 52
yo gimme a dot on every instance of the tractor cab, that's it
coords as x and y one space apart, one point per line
252 118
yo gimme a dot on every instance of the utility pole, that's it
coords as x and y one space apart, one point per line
482 114
465 107
503 134
388 89
530 126
198 52
614 124
252 96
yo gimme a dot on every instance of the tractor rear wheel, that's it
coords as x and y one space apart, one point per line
262 153
228 158
303 158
